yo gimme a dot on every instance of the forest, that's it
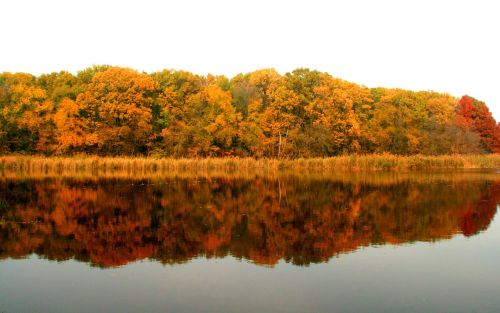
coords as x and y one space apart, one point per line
114 111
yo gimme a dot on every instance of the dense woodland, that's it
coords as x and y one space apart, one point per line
107 110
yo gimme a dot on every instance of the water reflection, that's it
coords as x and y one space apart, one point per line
113 222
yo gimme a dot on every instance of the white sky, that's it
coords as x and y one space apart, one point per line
450 46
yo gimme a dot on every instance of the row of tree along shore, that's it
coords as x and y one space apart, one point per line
145 168
113 111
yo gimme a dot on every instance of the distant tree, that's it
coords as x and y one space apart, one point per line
116 108
25 119
59 86
170 111
475 115
333 127
305 113
272 120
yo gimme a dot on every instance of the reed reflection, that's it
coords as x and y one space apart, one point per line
113 222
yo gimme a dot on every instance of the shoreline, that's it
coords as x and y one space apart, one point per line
148 166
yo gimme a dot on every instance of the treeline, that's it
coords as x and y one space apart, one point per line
107 110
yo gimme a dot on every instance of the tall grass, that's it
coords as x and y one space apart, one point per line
141 166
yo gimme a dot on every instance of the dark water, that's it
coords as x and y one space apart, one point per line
371 244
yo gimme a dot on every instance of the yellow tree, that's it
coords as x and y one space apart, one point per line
59 85
170 111
72 133
25 114
116 108
208 124
334 127
272 118
278 120
408 122
222 118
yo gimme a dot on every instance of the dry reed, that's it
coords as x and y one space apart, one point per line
126 167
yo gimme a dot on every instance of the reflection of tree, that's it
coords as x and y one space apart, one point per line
111 223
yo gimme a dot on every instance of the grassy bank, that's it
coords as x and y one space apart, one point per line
91 165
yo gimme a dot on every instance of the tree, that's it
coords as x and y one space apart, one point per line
475 115
272 118
25 119
116 109
59 86
333 127
112 111
72 133
170 111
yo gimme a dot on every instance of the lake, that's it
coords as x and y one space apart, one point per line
380 242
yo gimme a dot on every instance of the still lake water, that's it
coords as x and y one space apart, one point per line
374 243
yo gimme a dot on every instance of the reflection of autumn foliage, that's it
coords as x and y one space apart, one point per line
111 223
478 217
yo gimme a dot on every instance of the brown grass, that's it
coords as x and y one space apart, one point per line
127 167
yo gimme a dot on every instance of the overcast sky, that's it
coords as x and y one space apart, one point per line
448 46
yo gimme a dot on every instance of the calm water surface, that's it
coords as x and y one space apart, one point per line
380 243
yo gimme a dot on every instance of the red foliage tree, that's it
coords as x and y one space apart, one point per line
475 115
